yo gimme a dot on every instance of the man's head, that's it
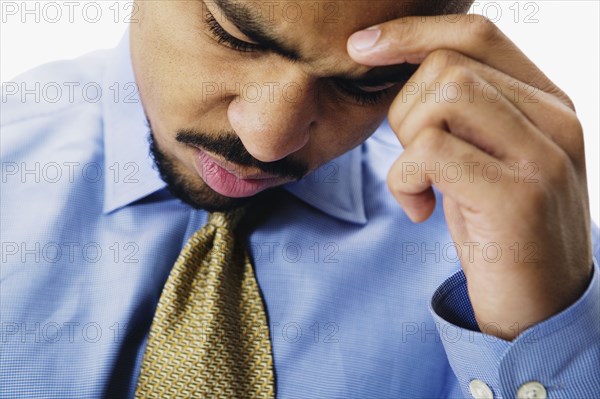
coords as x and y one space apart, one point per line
243 96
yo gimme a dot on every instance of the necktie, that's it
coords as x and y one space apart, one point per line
209 336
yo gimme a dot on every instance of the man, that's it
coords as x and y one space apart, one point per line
483 282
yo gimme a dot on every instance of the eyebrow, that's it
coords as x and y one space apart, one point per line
250 25
243 17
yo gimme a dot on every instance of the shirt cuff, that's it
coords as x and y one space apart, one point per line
561 353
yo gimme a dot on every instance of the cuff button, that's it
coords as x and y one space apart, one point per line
480 390
532 390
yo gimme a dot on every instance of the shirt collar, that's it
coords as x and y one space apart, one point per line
336 188
129 171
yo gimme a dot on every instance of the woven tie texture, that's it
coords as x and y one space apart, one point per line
209 336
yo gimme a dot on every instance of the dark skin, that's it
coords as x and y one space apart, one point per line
547 219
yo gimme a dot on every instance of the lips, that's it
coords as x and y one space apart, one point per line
231 180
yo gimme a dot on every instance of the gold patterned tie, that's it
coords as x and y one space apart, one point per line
209 336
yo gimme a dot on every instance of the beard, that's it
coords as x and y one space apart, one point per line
192 190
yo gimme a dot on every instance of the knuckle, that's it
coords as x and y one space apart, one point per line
397 114
570 127
394 181
394 120
428 141
568 102
440 59
558 167
563 98
483 28
457 74
396 178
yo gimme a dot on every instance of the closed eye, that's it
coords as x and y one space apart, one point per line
361 93
364 95
228 40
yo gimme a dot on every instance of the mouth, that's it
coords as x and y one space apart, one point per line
231 180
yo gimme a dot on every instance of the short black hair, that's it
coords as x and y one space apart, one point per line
441 7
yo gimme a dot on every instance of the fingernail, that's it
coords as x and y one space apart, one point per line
365 39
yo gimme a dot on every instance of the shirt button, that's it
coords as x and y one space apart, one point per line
532 390
480 390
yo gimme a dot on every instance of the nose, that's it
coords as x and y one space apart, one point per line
274 119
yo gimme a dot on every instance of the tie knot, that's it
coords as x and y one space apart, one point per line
228 220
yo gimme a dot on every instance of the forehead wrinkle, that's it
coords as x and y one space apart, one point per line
245 18
330 63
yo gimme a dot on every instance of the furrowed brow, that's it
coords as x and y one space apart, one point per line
245 18
249 22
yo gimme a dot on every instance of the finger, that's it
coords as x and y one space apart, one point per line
537 105
411 39
458 169
543 110
492 124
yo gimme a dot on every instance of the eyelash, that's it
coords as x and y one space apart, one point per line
362 98
225 38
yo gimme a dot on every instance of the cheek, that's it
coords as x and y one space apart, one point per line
177 70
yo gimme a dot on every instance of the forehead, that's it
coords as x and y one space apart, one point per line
316 29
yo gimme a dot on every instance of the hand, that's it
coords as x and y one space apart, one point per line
509 153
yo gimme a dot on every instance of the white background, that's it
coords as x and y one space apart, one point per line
561 37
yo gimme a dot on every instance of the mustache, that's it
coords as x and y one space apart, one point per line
229 146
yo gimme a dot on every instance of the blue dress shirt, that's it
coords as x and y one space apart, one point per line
362 303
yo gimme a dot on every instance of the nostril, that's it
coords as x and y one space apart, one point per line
275 150
271 132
